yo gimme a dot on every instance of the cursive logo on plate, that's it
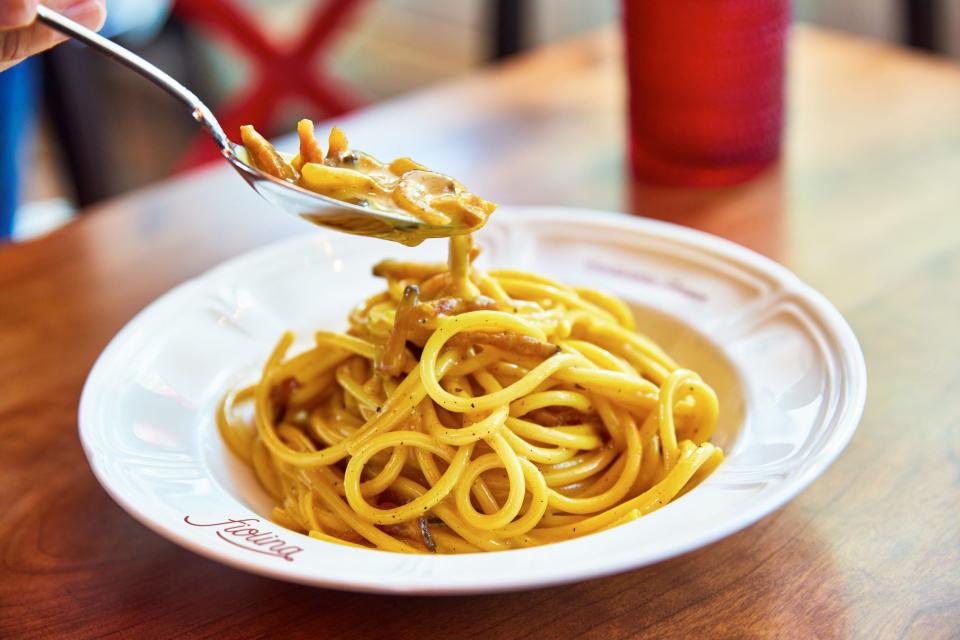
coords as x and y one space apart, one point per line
240 534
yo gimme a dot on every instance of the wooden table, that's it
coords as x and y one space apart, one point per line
866 208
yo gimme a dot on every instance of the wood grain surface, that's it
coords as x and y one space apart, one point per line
865 207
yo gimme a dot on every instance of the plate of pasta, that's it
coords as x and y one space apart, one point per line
580 393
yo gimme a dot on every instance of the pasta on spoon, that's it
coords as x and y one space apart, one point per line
358 178
465 411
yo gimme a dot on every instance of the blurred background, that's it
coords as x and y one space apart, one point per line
272 61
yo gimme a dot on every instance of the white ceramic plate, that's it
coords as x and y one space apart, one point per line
787 368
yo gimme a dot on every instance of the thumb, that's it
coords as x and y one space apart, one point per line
17 44
17 13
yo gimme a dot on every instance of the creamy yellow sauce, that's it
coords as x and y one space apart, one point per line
358 178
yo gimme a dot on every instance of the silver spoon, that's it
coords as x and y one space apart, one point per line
316 208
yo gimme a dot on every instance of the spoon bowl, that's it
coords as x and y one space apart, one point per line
324 211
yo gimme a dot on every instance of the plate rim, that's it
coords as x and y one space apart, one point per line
849 354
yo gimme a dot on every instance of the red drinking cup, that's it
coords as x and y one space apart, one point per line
706 85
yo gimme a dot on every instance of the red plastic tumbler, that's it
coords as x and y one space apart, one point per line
706 88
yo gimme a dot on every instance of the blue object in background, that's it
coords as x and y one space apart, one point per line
19 95
17 98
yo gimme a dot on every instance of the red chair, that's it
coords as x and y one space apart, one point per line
281 71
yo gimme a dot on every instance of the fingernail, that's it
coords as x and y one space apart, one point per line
89 13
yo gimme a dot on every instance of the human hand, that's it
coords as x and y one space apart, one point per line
22 36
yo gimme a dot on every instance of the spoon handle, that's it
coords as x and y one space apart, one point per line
201 112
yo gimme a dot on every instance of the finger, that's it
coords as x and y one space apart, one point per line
17 13
17 44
